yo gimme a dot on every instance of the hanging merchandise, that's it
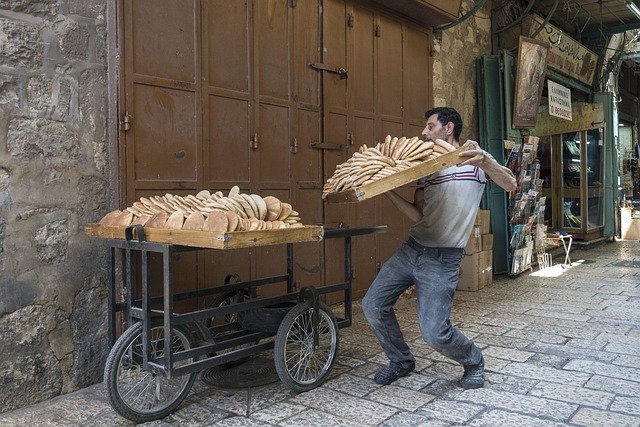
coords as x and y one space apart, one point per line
526 219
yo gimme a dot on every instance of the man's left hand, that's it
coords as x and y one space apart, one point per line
477 156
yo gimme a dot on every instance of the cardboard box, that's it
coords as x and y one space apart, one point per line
485 268
483 221
476 271
474 245
487 242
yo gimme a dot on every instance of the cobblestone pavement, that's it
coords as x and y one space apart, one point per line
562 347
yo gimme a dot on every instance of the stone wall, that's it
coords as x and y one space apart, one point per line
53 179
454 67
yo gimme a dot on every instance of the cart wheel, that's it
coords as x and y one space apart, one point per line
299 365
139 395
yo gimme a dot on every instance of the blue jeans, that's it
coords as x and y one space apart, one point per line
435 274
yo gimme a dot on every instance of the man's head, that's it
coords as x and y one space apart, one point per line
443 123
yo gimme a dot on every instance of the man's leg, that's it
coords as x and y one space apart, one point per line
392 280
436 281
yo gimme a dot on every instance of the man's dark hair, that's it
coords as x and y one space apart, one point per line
446 115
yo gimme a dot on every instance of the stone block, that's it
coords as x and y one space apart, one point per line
74 42
52 241
87 8
571 394
20 45
49 98
31 139
41 8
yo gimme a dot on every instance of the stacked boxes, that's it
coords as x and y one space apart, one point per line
476 268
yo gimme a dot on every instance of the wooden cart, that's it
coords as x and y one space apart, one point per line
153 364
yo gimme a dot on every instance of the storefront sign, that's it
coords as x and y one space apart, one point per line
565 54
559 100
585 116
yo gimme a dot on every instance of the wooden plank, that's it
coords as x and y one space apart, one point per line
215 240
397 179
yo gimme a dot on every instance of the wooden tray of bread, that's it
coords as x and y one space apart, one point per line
354 182
208 220
214 239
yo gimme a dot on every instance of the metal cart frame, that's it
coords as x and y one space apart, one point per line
237 345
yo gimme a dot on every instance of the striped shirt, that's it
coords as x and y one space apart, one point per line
451 201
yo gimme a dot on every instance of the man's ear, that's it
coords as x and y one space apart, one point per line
449 128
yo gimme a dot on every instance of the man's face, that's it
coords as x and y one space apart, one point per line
434 129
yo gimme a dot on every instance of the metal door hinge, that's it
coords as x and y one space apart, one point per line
341 72
294 145
253 143
350 19
350 138
377 31
125 123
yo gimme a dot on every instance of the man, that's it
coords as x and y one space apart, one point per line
444 209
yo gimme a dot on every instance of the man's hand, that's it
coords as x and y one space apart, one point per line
495 171
477 156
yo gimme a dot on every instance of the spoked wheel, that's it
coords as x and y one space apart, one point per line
139 395
300 366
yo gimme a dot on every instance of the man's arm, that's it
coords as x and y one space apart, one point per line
411 210
499 174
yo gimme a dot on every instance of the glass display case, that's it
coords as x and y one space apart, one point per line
572 170
582 189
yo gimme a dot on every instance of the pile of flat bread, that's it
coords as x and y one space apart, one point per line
208 212
370 164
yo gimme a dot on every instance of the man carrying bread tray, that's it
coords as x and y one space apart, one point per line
444 210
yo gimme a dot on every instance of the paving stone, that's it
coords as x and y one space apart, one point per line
238 421
442 387
400 397
604 369
415 381
570 394
312 417
497 417
542 373
502 341
404 419
595 417
570 352
531 405
591 344
367 369
537 336
623 348
444 370
345 406
627 405
509 383
507 353
548 360
558 314
349 361
451 411
614 385
627 360
351 384
278 412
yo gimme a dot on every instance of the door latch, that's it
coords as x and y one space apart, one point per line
253 143
341 72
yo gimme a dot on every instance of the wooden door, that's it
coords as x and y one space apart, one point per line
220 94
387 91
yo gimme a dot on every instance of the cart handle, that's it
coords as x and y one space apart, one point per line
311 293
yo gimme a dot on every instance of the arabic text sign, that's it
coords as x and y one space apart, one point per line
565 54
559 100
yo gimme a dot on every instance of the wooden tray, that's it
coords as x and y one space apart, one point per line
214 240
398 179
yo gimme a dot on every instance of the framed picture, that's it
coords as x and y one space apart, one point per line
530 72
